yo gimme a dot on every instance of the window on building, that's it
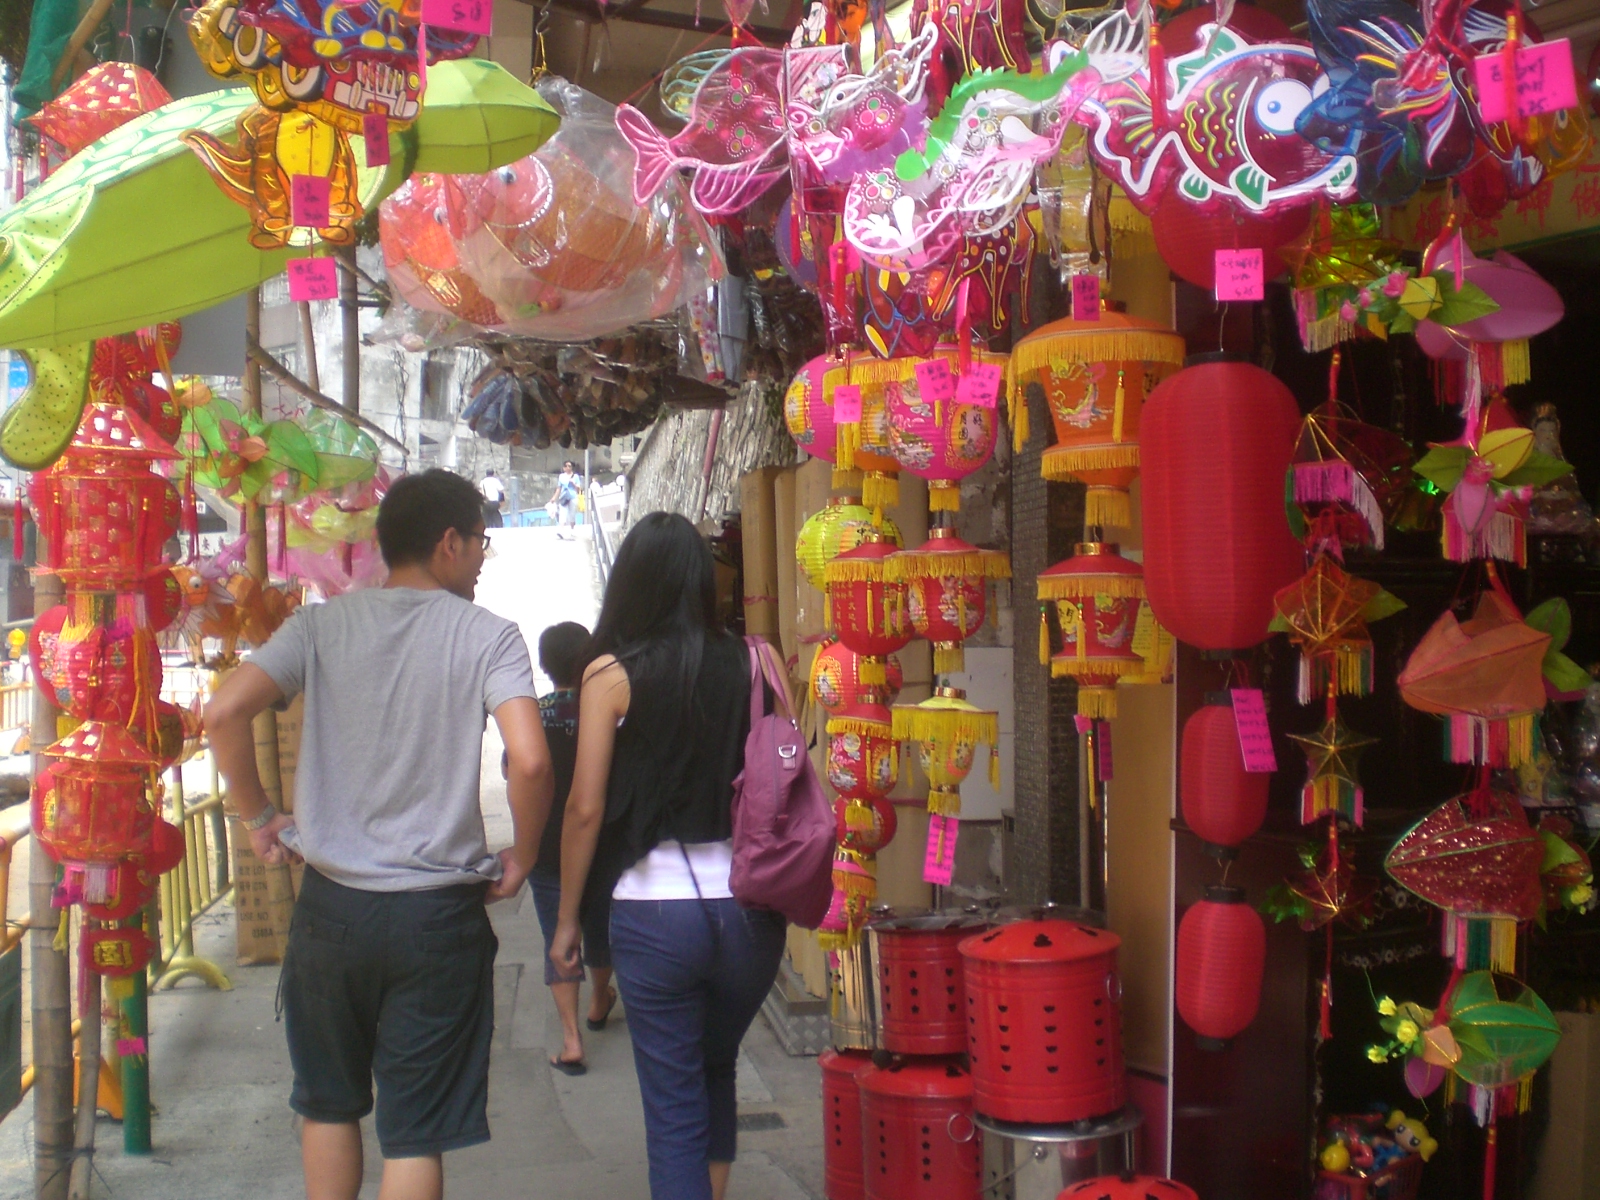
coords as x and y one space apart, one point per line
437 371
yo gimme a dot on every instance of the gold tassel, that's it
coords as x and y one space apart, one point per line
1063 463
63 938
843 478
847 440
1519 737
1059 354
858 816
944 802
1017 411
961 608
994 766
1514 363
948 658
1067 587
943 496
1108 506
1044 638
1525 1085
1503 945
1097 702
880 490
1450 1088
827 609
1116 411
871 671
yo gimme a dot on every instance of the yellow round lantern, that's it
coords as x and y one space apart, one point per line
833 529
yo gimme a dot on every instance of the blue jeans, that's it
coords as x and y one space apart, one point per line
596 936
694 974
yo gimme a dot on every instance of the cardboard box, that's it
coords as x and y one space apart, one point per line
1569 1156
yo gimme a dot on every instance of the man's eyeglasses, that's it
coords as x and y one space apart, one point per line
488 550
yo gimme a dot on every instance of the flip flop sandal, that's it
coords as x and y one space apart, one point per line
569 1068
597 1026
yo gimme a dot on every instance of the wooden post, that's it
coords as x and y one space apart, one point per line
89 1030
255 557
51 970
350 310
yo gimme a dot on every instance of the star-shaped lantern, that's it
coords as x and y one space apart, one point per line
1333 784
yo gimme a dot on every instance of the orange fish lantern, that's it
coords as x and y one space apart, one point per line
942 440
1096 593
1095 376
868 606
946 581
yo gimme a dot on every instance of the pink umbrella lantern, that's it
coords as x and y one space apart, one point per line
1528 306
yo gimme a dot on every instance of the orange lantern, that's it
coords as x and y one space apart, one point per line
868 607
946 581
1096 593
941 441
1095 376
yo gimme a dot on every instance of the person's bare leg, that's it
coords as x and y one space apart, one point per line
719 1179
413 1178
566 998
600 996
331 1156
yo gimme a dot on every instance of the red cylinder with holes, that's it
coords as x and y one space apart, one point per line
920 983
917 1134
1044 1028
1222 802
841 1123
1222 951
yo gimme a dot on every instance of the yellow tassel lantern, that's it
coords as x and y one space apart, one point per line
1096 594
946 581
947 730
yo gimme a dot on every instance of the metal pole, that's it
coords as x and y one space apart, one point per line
350 309
51 971
308 346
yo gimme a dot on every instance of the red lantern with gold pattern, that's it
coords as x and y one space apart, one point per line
862 763
864 826
1096 593
117 951
91 804
836 678
947 583
868 607
941 441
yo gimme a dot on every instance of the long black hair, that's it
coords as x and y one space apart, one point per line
660 607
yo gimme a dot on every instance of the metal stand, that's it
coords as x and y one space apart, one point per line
1035 1162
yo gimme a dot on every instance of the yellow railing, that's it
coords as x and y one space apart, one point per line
16 706
194 886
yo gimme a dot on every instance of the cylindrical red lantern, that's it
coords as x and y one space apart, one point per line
1188 236
946 583
1096 594
1045 1035
842 1161
1222 802
862 763
868 607
917 1131
1217 440
1222 950
921 980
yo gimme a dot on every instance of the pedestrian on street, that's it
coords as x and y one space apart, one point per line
389 969
561 650
565 498
494 499
664 714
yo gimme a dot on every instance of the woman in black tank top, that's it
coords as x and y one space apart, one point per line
664 713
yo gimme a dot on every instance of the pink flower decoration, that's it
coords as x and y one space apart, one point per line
1395 284
1348 313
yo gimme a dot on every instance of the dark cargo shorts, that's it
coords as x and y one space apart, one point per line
397 986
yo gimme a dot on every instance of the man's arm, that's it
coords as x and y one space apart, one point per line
530 787
244 694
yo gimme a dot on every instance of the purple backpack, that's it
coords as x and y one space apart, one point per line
783 827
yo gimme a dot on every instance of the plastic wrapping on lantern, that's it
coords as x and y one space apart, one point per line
553 246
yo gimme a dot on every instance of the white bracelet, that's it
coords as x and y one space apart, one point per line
259 821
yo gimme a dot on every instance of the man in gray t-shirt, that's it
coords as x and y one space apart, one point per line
389 968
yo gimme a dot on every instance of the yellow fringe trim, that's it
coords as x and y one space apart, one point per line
834 942
948 658
943 496
856 570
1520 749
846 441
1105 506
1095 668
1062 463
944 802
874 672
1099 703
979 564
1112 345
1525 1092
1503 945
878 371
859 726
843 478
1078 587
922 723
1017 412
880 490
1514 364
858 816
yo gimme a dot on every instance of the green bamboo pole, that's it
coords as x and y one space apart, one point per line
135 1027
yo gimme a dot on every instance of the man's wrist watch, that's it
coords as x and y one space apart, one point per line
259 821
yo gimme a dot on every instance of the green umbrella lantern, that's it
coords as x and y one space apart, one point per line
1502 1039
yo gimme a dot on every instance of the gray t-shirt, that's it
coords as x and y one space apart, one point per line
398 685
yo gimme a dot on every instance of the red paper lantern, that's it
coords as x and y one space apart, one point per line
941 441
104 531
106 673
1222 802
1217 439
862 763
1130 1186
946 584
1188 236
864 826
1222 950
1096 593
836 678
91 804
1182 34
868 607
117 951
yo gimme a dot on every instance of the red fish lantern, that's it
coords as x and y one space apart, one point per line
941 439
1096 376
836 678
946 581
868 607
1096 593
1217 440
91 805
1222 950
1221 802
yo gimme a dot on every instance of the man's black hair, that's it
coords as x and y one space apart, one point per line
418 510
561 653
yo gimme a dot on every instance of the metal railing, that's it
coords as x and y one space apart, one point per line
194 886
604 556
16 706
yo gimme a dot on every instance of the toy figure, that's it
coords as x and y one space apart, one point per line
1411 1135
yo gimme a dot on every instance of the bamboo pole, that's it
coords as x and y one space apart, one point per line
51 998
255 555
350 310
90 1027
308 345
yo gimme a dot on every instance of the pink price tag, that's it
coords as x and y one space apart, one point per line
1086 297
1240 275
375 132
309 196
129 1047
980 385
469 16
939 865
1545 81
847 404
313 279
1255 736
934 381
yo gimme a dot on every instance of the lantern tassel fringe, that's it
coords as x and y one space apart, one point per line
855 570
1044 639
944 802
981 564
911 722
1064 463
1503 536
1492 742
1095 668
1320 797
856 725
943 496
845 478
948 658
1068 587
1061 354
847 440
1108 506
1348 668
1097 702
880 490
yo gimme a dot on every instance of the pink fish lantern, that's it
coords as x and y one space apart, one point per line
941 441
1528 305
735 142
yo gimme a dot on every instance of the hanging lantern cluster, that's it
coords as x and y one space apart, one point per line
105 516
862 766
1096 595
947 583
942 439
947 730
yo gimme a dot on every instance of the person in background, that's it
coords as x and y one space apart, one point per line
494 499
664 714
561 650
565 498
389 972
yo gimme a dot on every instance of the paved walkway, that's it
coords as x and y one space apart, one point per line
220 1070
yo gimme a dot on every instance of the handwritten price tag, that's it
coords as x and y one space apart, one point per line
980 385
309 196
1545 81
375 132
1255 736
1086 297
469 16
939 865
847 404
313 279
934 381
1240 275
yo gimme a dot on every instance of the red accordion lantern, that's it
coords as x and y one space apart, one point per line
868 607
1222 802
1188 236
941 441
836 678
947 583
91 805
1222 951
1096 593
1217 440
